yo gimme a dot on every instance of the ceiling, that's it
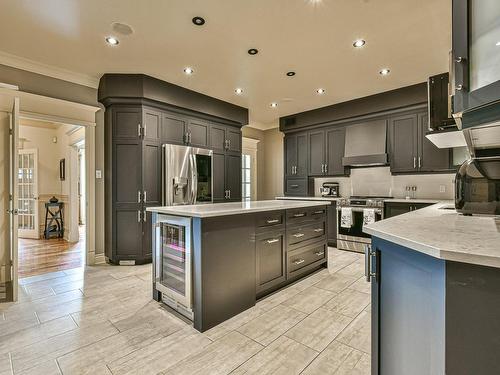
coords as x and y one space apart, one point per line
312 37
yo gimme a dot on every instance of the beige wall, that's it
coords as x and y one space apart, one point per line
56 88
273 164
253 133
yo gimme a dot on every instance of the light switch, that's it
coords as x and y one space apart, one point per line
98 173
442 188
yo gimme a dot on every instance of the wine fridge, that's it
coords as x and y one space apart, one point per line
172 262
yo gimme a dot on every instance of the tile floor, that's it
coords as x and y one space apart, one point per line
102 320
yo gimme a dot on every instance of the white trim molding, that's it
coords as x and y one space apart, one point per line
48 70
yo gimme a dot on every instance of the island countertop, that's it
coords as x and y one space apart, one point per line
234 208
441 232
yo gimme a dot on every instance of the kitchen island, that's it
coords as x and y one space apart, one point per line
435 278
213 261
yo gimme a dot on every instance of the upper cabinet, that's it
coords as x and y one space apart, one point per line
296 155
475 78
410 151
326 150
224 138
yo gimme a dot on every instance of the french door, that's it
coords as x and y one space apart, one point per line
27 181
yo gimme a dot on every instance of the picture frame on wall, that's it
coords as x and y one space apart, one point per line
62 169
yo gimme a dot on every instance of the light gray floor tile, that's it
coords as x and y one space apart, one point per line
220 357
354 269
163 354
310 280
319 329
45 276
271 325
335 283
283 356
358 333
275 299
234 323
361 285
11 325
46 368
339 359
349 302
309 300
5 364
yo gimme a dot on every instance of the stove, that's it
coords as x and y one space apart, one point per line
350 236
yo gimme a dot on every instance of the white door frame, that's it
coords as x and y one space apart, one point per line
35 232
249 147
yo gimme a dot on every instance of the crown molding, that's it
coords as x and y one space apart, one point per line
48 70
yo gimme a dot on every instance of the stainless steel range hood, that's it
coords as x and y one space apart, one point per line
447 138
365 144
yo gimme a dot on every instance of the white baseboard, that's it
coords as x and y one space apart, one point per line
100 259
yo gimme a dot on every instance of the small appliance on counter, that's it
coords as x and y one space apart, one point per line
330 189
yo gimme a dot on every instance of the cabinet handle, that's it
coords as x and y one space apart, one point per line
419 162
317 230
143 131
414 162
294 186
300 261
139 131
298 235
228 144
274 240
322 168
319 253
225 194
368 264
139 216
318 212
138 196
145 195
299 215
326 168
190 137
272 221
144 216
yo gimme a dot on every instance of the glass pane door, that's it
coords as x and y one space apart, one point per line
27 194
174 260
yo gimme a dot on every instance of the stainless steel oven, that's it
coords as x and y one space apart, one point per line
172 262
353 238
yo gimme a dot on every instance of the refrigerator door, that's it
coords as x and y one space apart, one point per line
202 166
177 175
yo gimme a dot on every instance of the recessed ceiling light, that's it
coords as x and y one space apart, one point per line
359 43
498 44
320 91
198 21
384 72
238 91
253 51
290 74
188 70
274 105
112 41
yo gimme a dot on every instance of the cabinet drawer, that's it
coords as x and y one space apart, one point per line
297 215
308 255
296 187
318 213
306 232
269 219
270 260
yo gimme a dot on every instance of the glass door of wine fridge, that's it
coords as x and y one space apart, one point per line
173 259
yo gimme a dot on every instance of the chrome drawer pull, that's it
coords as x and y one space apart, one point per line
317 230
273 221
294 186
300 261
320 253
299 215
318 212
272 241
298 235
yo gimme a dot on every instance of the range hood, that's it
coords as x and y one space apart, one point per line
447 138
365 144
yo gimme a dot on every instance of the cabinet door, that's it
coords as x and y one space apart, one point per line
296 187
147 234
234 139
332 224
219 177
173 129
127 171
217 138
270 260
316 153
302 155
233 176
127 122
151 125
198 131
431 158
335 144
151 173
290 154
395 209
127 232
404 153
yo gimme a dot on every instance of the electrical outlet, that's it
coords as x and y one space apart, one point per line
98 173
442 188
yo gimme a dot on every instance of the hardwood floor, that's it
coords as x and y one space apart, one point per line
102 320
37 257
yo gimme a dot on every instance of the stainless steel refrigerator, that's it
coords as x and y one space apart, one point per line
187 175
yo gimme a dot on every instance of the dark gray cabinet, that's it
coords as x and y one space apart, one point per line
224 138
270 260
198 133
317 153
181 130
226 177
296 187
397 208
326 150
411 151
296 156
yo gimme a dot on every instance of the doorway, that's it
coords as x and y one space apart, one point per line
51 195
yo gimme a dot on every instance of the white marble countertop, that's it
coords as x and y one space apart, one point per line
235 208
326 199
445 234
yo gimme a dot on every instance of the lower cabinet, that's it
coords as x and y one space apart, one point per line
297 187
270 260
306 258
397 208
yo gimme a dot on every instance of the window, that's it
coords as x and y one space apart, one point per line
246 170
